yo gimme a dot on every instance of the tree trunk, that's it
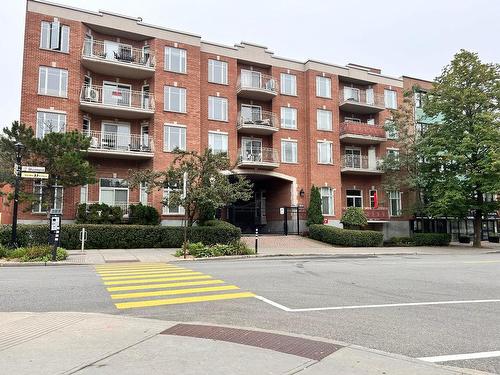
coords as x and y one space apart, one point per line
478 228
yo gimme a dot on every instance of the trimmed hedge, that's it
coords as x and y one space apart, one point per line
123 236
345 237
431 239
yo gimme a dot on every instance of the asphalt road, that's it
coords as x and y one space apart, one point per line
424 330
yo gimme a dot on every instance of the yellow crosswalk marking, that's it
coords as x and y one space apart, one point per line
122 282
159 286
133 268
174 301
152 270
159 274
174 292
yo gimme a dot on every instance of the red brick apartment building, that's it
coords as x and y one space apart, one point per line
140 90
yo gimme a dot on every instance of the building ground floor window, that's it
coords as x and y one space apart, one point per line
114 192
43 196
327 201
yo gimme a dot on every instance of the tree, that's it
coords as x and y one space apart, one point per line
314 212
63 154
461 154
210 186
354 218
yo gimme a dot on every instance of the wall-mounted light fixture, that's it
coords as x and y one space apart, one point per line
302 193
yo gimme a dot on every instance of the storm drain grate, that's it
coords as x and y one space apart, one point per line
312 349
121 260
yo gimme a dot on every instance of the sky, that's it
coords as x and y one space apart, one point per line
414 38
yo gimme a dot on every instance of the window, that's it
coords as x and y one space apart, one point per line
217 108
288 118
393 153
288 84
217 142
174 137
86 126
48 122
175 60
217 71
114 192
390 99
41 194
352 158
175 99
419 99
84 193
323 119
354 198
324 152
143 193
391 131
288 151
323 87
373 199
351 93
421 128
251 114
395 203
54 36
53 81
327 207
168 208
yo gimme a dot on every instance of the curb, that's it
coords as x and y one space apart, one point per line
41 264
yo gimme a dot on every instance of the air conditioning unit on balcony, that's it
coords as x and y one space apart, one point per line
91 94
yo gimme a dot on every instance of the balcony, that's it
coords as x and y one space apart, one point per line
379 214
121 146
257 86
116 101
264 158
359 164
361 133
114 59
354 100
257 122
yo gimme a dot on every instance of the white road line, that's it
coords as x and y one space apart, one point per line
461 357
284 308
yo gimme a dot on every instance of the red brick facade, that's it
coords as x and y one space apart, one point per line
284 182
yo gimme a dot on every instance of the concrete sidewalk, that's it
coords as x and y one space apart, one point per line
86 343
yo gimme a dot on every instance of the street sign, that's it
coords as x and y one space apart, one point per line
41 176
27 168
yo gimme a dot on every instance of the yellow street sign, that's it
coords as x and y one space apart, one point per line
41 176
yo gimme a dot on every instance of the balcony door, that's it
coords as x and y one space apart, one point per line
251 113
250 78
113 192
370 98
251 149
354 198
353 157
116 94
351 93
115 136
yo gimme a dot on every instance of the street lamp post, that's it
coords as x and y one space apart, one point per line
19 151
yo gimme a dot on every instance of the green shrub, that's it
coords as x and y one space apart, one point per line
314 212
199 250
38 253
354 218
345 237
403 241
122 236
432 239
3 251
464 239
143 215
98 213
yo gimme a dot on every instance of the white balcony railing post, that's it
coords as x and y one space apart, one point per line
262 155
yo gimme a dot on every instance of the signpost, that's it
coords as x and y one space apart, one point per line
27 168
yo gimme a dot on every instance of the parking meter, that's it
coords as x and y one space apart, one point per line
55 232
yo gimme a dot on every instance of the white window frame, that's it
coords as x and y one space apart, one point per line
166 209
320 113
84 193
167 95
390 100
320 80
292 119
213 66
143 193
331 200
372 196
64 33
38 189
167 144
60 126
294 149
354 198
292 79
114 189
319 144
182 56
397 196
63 75
211 141
217 100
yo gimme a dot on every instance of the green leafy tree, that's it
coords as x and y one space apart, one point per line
354 218
314 212
461 154
209 187
62 154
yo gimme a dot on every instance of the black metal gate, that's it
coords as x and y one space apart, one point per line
292 216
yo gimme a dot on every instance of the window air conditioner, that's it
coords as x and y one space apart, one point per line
91 94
